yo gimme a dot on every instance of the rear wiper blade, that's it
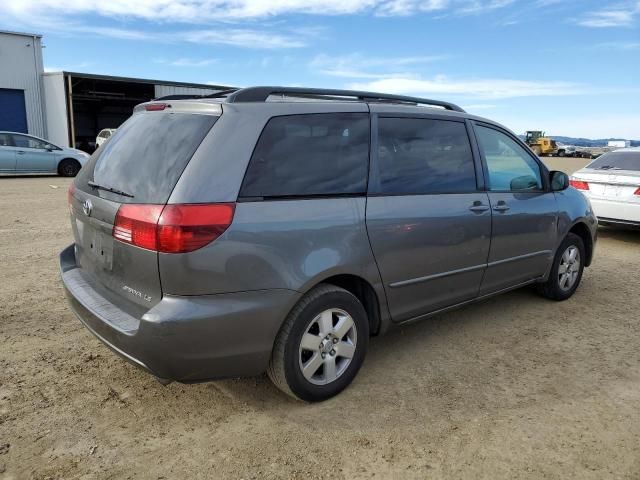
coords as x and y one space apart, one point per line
608 167
93 184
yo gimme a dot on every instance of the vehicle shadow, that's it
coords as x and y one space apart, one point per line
433 361
622 234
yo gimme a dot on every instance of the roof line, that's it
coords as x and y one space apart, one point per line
142 80
22 34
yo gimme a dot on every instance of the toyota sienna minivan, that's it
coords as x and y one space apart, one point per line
277 229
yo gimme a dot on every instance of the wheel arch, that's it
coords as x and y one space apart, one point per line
365 293
582 230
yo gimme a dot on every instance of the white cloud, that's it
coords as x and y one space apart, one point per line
488 88
361 66
200 11
619 46
620 15
187 62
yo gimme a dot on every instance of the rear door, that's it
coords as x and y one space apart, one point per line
428 220
32 155
524 221
143 161
7 153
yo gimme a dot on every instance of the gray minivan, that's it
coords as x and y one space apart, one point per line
276 229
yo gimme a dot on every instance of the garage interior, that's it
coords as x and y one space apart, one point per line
95 102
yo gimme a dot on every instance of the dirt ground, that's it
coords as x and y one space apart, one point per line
516 387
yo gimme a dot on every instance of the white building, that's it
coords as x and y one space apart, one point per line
619 143
69 108
22 104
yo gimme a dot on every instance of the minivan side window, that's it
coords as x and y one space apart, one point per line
510 167
310 155
423 156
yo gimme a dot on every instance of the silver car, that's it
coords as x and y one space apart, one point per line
612 184
21 153
277 229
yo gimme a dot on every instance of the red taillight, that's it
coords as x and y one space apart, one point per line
71 194
137 225
172 228
154 107
637 192
579 184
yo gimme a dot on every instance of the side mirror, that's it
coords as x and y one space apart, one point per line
559 181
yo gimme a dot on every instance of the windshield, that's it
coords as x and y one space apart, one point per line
617 161
145 156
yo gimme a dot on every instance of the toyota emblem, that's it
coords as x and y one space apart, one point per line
87 207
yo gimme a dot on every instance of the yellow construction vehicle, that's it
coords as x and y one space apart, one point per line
540 144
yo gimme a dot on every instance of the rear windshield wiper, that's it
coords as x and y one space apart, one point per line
93 184
608 167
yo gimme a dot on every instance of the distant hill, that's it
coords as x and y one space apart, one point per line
587 142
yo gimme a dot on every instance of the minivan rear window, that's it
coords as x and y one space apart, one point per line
147 154
310 155
617 161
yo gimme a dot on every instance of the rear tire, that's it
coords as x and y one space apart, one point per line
69 167
321 345
566 271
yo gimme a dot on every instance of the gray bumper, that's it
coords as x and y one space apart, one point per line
184 338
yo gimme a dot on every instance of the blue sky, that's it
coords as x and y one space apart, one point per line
570 67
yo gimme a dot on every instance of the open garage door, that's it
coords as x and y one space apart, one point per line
97 103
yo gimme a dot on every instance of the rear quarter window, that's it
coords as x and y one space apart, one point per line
310 155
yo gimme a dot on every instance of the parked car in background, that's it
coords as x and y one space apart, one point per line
104 135
278 228
20 153
612 184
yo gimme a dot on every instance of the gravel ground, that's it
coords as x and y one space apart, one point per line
516 387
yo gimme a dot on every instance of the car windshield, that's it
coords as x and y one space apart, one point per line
617 161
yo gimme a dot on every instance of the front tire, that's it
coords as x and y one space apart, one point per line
69 167
321 345
566 271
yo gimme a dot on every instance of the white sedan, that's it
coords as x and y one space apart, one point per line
612 184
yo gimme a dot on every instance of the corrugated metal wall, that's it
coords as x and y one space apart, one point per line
164 90
21 69
56 108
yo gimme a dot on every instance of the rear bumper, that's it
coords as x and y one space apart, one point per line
611 211
182 338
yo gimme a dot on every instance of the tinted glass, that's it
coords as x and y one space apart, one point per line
147 154
23 141
418 156
304 155
511 168
617 161
6 140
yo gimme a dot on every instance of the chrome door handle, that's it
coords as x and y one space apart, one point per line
20 152
501 207
478 206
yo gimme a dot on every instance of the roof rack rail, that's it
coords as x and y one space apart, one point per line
187 96
260 94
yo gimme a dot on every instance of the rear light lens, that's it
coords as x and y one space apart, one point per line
137 225
172 228
637 192
579 184
71 194
154 107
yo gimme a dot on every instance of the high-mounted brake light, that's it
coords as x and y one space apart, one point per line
153 107
172 228
579 184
